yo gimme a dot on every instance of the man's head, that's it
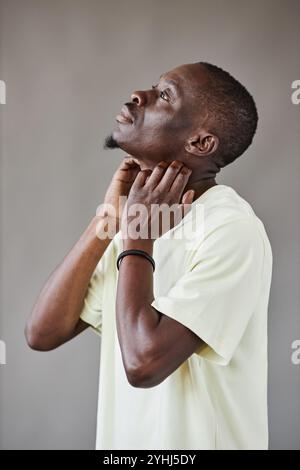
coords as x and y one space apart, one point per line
197 113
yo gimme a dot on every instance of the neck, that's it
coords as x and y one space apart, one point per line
200 186
200 180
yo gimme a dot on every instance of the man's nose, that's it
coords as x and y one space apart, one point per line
139 97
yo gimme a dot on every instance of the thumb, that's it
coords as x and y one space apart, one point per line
187 200
188 197
130 161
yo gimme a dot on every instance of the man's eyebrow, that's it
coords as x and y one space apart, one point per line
170 81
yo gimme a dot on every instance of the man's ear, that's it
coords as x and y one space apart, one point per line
201 144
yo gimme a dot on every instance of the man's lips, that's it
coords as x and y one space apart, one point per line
125 117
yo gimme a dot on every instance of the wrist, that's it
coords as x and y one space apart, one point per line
145 244
90 244
106 227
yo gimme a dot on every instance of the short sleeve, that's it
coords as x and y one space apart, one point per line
218 294
92 308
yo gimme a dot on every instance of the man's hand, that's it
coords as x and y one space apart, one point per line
120 186
156 192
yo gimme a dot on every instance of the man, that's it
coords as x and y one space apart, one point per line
184 340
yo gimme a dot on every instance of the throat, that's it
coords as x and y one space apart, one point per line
200 186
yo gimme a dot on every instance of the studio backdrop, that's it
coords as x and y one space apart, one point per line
66 67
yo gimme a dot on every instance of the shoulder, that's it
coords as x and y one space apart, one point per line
229 225
222 204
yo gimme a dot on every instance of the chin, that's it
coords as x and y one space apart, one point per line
128 144
122 143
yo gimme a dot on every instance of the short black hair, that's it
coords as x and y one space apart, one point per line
231 113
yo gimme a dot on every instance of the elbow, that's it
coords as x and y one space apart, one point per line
143 376
139 379
143 364
34 340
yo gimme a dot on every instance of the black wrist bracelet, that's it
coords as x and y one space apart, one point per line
136 252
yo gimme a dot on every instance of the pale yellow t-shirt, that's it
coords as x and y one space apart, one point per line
217 284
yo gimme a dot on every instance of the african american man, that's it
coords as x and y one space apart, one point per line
183 341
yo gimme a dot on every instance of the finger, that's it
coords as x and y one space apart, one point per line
187 200
141 178
157 174
170 175
130 162
127 171
180 181
188 196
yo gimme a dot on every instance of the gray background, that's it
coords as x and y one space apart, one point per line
68 67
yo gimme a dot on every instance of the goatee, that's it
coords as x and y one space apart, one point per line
110 143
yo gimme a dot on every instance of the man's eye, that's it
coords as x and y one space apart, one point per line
164 96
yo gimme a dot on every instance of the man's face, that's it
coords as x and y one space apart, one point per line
157 122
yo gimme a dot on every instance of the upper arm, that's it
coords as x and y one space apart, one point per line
79 328
174 343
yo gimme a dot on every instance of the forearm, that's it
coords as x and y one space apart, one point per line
153 345
58 307
136 319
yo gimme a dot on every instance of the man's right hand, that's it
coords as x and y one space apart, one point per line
120 185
